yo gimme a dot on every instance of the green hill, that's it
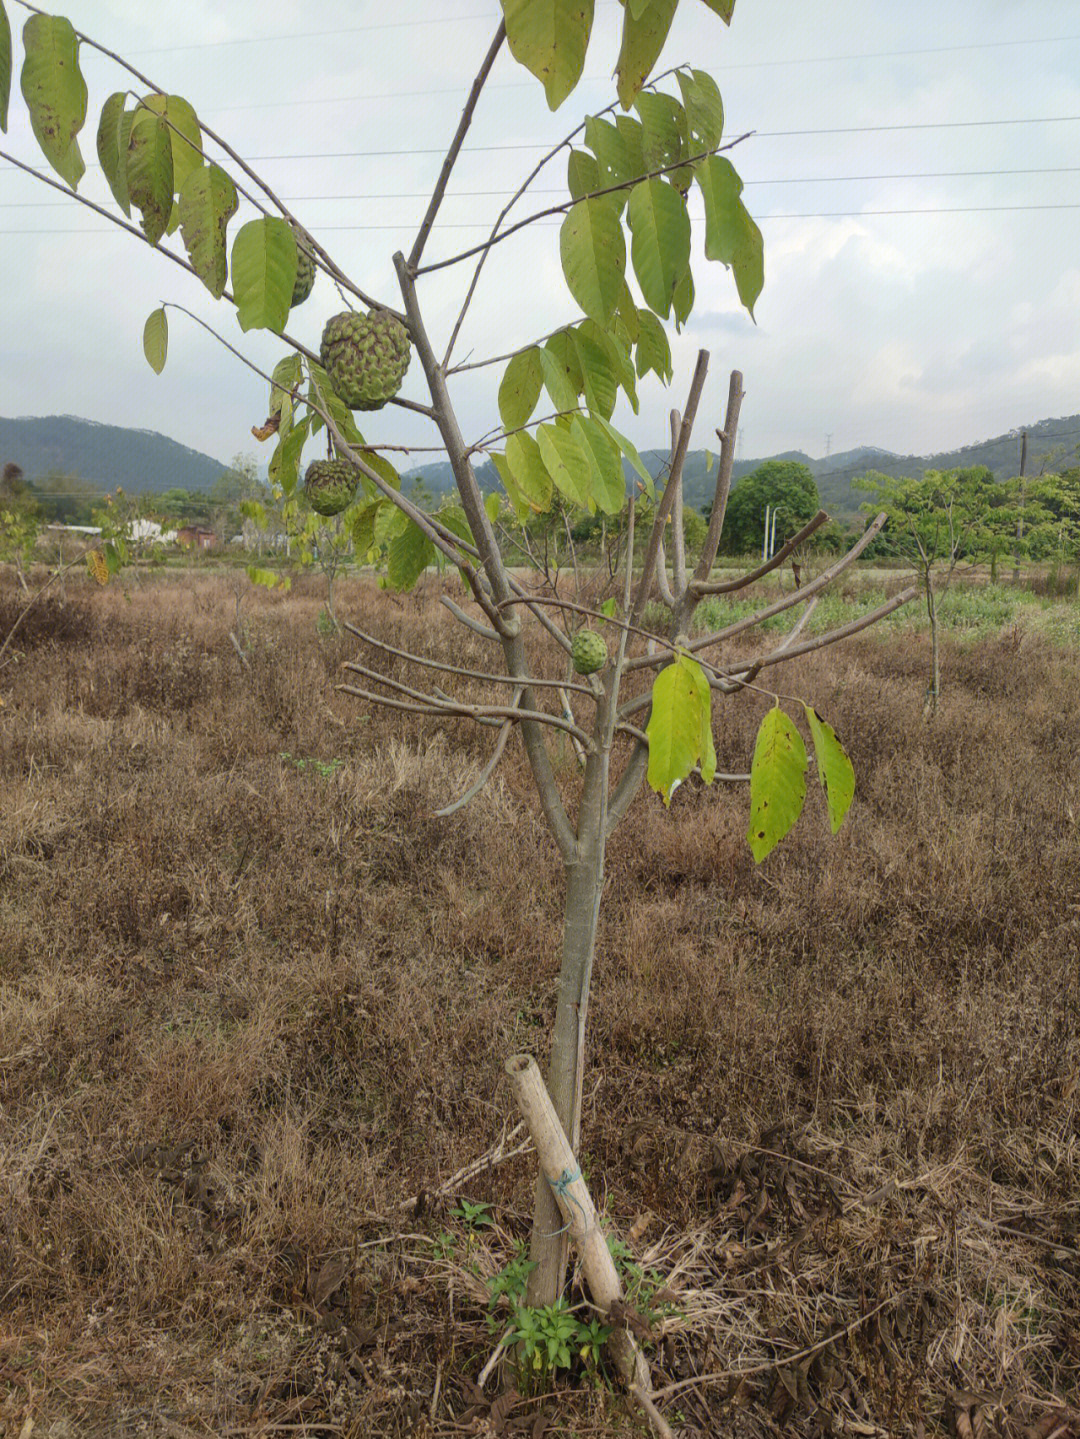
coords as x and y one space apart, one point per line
104 455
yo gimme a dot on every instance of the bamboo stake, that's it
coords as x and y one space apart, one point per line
575 1204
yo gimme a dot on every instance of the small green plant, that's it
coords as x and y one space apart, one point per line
473 1216
324 768
444 1244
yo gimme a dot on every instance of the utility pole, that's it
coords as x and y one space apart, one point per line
828 444
1020 516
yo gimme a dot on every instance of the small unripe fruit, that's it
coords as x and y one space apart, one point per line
589 652
330 486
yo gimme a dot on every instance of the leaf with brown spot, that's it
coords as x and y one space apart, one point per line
263 432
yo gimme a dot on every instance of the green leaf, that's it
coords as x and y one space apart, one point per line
493 506
268 579
628 315
55 92
610 607
682 302
110 156
607 487
5 66
362 527
284 467
777 782
723 8
663 127
675 727
704 110
185 134
594 351
834 768
612 158
149 171
520 388
382 467
323 393
731 236
643 38
633 138
582 173
557 382
707 755
629 451
520 504
285 377
408 556
653 350
594 257
550 38
660 247
528 472
565 462
263 273
208 201
391 522
155 339
253 510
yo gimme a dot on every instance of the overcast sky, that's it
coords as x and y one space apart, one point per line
878 324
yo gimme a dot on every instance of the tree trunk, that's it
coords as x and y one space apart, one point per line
935 663
584 885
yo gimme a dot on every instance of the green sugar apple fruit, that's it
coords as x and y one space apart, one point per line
366 357
330 486
589 652
305 270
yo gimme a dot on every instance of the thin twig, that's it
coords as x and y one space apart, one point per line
565 205
461 670
783 1363
723 477
455 146
724 587
678 459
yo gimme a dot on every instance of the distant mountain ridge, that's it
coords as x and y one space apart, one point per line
834 473
142 461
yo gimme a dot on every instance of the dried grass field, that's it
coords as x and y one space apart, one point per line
254 997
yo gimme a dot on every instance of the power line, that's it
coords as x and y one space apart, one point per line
497 194
548 224
753 134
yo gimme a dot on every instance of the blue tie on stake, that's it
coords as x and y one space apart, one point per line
561 1186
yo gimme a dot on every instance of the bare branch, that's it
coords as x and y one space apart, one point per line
796 597
519 681
678 459
455 146
678 539
724 587
842 633
529 178
723 477
565 205
484 631
509 355
484 775
443 704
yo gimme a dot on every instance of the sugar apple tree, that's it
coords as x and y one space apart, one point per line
639 705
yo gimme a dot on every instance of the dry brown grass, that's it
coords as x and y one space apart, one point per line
248 1005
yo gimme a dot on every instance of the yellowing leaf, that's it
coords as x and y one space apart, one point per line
643 38
550 37
777 782
675 725
156 339
55 92
834 768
